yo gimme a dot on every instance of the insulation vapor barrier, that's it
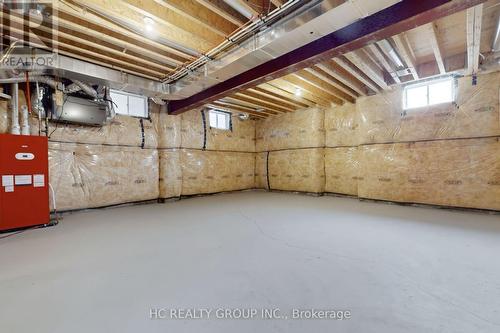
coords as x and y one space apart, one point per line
168 129
261 179
342 170
193 130
442 155
170 173
299 129
122 131
240 138
86 176
475 114
341 126
463 173
191 172
300 170
201 159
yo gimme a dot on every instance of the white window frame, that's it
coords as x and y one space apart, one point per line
225 114
428 83
145 113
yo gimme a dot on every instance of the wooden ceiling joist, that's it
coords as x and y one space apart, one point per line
223 9
74 52
120 11
339 73
404 50
474 23
292 89
92 43
354 71
201 15
83 21
258 102
91 38
236 105
436 48
233 109
320 72
305 84
322 82
249 104
379 55
280 95
252 6
365 64
165 16
265 98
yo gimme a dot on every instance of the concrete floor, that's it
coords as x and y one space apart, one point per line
397 269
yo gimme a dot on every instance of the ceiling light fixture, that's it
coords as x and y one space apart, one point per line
298 92
149 24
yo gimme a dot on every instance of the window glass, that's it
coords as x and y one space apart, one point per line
213 119
120 103
429 93
137 106
416 97
130 104
219 119
440 92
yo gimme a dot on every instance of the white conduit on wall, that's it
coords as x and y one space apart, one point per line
14 104
25 129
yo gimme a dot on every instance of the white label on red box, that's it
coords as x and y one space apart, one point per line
9 189
22 179
25 156
38 180
8 180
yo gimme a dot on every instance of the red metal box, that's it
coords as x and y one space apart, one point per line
24 183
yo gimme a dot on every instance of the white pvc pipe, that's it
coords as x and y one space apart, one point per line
14 103
25 129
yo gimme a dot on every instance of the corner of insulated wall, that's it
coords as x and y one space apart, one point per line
290 151
442 155
196 159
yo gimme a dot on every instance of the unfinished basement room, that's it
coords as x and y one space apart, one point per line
249 166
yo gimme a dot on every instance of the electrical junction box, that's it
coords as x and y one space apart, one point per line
24 190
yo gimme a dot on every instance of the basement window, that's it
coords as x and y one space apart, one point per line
219 119
429 93
130 104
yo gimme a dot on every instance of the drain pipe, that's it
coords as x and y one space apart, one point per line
25 129
14 104
496 41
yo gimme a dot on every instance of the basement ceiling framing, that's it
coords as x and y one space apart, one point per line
437 48
112 34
